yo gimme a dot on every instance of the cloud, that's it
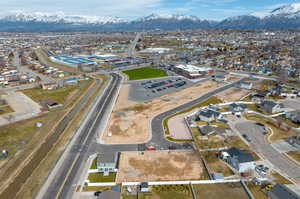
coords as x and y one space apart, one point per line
123 8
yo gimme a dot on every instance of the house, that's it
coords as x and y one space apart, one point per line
280 191
208 115
50 104
237 108
270 106
107 162
240 160
49 86
260 95
293 116
145 187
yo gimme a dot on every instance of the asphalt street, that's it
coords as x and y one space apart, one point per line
68 174
12 189
261 146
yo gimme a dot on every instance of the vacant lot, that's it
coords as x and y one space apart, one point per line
130 121
159 166
23 108
233 94
224 191
61 95
145 73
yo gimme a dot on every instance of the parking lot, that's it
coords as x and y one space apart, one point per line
149 89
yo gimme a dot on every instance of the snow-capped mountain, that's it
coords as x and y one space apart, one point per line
289 11
169 17
59 17
287 16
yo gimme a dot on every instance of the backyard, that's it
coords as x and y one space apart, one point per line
217 191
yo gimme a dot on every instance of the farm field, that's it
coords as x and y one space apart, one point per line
145 73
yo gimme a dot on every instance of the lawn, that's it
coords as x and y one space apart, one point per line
257 192
94 164
280 179
295 155
95 188
99 177
167 191
5 109
145 73
217 191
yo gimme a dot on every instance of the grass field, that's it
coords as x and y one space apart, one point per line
99 177
145 73
217 191
164 192
295 155
60 95
5 109
38 177
22 137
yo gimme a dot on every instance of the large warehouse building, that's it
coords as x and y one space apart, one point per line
193 72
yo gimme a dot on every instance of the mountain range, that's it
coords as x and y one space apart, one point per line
284 17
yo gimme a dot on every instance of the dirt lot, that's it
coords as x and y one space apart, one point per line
23 107
233 94
224 191
178 128
159 165
130 121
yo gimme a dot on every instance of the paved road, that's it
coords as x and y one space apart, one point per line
261 146
67 176
62 185
12 189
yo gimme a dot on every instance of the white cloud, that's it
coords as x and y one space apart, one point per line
123 8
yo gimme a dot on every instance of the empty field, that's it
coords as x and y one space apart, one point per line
145 73
159 166
224 191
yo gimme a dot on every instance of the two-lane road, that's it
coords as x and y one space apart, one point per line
260 145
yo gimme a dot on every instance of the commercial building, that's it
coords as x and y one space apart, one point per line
192 72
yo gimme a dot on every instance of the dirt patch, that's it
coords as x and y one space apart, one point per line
159 165
233 94
137 116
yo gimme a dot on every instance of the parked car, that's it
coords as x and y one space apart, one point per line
246 137
97 193
259 124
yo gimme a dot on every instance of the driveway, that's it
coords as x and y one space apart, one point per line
260 145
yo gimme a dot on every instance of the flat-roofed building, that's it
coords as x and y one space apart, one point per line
192 72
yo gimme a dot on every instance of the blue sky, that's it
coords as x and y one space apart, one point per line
208 9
